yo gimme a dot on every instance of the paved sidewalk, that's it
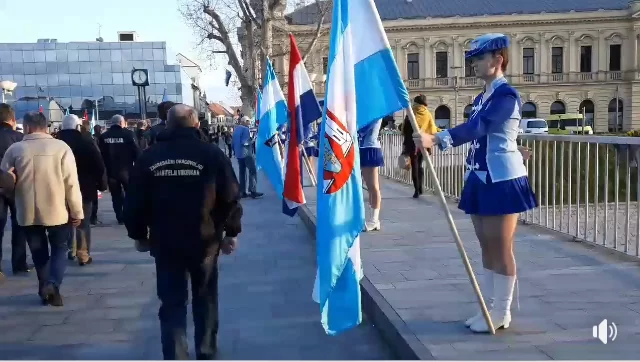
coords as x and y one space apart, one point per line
565 287
111 307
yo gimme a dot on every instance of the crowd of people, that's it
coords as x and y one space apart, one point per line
175 192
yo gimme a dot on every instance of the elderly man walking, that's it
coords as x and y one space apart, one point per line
119 151
91 175
183 206
243 148
48 206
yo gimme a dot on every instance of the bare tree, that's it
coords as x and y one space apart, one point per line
216 24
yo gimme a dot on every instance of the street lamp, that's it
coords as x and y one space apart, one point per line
7 87
456 90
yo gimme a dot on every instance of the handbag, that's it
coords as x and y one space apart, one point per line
404 162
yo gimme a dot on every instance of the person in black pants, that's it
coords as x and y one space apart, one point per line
97 131
119 151
9 136
185 213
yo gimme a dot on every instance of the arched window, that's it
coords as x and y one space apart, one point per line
588 110
443 117
615 109
558 107
468 110
529 110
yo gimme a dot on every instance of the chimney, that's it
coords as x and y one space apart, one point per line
127 36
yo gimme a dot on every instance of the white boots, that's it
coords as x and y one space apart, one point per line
373 222
503 286
486 287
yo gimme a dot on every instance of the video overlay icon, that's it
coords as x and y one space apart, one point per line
600 331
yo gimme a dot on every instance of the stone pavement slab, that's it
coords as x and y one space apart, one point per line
564 287
110 310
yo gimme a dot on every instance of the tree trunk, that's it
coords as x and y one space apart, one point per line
267 33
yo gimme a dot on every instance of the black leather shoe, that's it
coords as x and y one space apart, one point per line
23 270
55 299
256 195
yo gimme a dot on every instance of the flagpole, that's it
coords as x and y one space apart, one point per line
454 230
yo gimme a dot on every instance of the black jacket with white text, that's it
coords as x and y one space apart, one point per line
184 193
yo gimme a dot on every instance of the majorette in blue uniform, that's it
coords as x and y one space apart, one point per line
495 167
370 146
496 182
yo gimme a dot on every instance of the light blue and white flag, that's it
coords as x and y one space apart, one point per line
363 85
271 112
165 97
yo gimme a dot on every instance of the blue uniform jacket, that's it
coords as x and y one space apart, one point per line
492 130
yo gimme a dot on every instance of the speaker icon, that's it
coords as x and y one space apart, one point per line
600 331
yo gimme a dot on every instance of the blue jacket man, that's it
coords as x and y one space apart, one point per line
183 206
243 148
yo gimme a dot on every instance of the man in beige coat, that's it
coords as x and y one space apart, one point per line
48 206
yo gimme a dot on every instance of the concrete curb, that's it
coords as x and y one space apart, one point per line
392 328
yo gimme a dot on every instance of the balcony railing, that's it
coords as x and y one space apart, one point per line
526 79
587 186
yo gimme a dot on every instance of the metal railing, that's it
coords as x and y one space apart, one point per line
586 186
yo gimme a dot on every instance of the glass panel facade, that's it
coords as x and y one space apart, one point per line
73 72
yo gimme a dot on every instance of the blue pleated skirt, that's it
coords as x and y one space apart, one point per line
371 157
496 198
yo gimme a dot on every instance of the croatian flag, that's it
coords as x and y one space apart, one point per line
304 109
363 85
271 112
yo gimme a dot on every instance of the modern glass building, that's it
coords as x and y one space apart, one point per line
82 74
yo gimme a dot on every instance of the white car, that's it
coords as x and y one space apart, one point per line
534 126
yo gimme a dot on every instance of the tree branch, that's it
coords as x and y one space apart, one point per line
314 40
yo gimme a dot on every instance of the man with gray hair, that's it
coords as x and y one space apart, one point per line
183 206
119 151
46 203
92 177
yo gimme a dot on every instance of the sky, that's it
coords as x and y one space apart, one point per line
77 20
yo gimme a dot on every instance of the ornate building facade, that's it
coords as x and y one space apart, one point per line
563 59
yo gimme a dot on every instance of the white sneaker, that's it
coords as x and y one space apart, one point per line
486 286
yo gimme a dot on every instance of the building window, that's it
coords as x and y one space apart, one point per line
528 61
442 65
556 59
468 69
325 65
585 59
615 57
413 66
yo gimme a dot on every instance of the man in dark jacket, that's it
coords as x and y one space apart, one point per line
153 132
91 177
182 205
9 136
119 151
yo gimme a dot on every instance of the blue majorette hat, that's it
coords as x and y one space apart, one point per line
487 43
